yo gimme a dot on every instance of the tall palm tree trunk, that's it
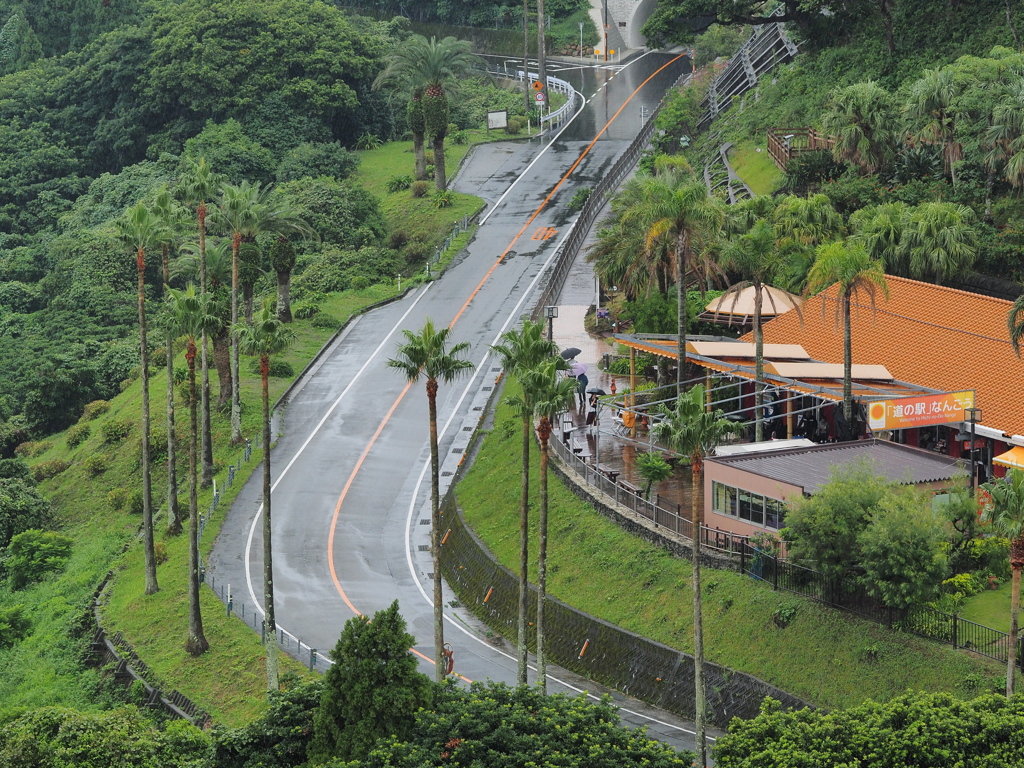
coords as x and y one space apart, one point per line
544 431
196 644
284 296
440 175
173 511
1016 564
222 362
418 140
147 489
524 555
268 552
204 365
758 368
700 704
435 544
236 395
847 363
682 258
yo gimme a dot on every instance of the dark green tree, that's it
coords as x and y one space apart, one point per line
372 691
21 508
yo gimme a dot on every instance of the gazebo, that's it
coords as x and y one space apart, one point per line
737 309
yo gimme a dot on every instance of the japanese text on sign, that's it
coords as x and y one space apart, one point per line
922 411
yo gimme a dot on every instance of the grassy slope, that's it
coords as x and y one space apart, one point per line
44 669
756 168
823 656
990 607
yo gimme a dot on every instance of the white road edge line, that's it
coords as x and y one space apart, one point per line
316 429
568 122
514 315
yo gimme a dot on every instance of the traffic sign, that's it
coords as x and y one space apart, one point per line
537 85
539 97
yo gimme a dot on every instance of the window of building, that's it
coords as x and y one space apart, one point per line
750 507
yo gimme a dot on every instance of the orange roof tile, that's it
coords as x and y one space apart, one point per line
925 334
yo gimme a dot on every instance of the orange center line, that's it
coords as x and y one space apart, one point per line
476 290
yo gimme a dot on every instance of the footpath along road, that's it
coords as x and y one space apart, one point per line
350 468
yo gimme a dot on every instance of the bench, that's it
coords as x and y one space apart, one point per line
612 474
636 490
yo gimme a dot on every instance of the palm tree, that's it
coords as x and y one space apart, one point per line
1006 514
189 314
521 351
246 211
218 272
693 431
551 395
426 354
1005 137
941 241
862 117
755 257
140 229
432 68
198 185
880 229
679 214
931 113
265 337
849 265
282 260
165 208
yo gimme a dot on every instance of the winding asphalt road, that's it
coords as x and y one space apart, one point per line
351 485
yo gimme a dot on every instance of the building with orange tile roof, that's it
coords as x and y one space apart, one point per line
931 335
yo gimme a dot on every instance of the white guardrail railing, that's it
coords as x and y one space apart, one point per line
554 84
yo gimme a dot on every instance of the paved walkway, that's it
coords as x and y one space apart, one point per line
578 295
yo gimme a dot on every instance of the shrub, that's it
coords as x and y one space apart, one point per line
578 199
32 554
459 137
428 157
94 410
419 188
515 125
30 449
311 160
443 198
369 141
115 430
117 499
397 239
14 625
160 552
398 183
279 368
21 508
965 584
78 434
47 469
96 464
305 309
134 504
324 320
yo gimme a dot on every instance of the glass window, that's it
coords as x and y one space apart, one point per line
775 513
724 499
757 509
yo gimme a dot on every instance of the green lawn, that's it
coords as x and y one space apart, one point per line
46 667
755 167
824 656
990 607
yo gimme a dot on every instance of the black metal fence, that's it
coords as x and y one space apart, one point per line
846 595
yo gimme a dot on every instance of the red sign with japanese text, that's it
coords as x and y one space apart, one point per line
921 411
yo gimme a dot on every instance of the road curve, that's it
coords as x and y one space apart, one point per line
350 466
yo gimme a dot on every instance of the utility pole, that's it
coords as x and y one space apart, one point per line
542 74
526 55
605 49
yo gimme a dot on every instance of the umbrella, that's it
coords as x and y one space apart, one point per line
570 352
596 391
577 369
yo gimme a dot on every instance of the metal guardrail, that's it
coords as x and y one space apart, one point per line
595 203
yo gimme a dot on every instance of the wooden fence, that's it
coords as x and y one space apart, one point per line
786 143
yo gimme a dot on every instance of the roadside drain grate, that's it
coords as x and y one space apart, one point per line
457 450
423 547
467 429
425 521
486 389
446 473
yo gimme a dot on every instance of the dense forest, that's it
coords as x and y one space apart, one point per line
102 112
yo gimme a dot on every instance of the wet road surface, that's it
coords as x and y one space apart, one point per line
351 465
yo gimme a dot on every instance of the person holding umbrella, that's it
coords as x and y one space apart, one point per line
580 372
